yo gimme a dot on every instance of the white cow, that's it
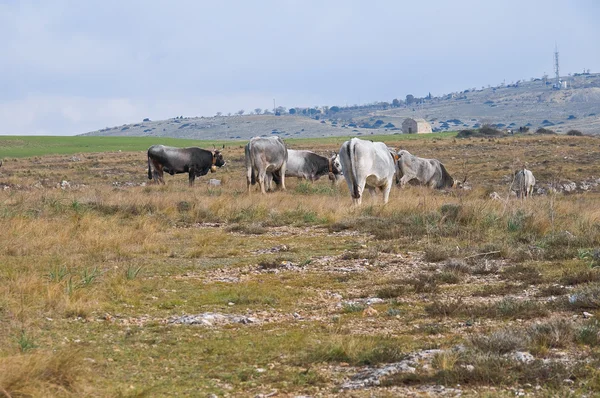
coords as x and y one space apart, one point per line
523 184
428 172
367 164
265 156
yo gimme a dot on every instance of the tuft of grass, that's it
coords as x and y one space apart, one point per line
588 333
584 298
41 374
436 254
392 291
253 228
500 341
25 341
580 277
556 333
352 308
500 289
355 350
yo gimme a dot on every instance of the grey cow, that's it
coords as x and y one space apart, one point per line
194 161
265 155
428 172
310 166
523 183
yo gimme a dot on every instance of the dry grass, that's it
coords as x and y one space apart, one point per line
96 272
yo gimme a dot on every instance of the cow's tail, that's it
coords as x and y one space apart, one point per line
250 163
351 148
447 180
149 167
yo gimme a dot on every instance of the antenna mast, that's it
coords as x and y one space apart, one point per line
556 70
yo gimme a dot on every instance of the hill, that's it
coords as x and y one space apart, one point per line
533 104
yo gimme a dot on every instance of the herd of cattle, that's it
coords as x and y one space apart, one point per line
363 164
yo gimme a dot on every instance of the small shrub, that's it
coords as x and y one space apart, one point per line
391 291
435 254
424 283
588 333
580 277
449 277
574 133
350 308
553 334
500 342
587 297
446 308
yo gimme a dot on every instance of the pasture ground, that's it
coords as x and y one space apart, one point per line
297 293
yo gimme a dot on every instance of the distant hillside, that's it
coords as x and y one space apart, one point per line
533 104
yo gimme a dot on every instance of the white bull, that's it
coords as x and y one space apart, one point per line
367 164
524 182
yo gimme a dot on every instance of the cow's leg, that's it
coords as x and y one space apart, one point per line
386 191
249 172
261 181
282 171
192 176
404 180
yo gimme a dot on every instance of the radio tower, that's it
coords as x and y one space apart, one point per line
556 71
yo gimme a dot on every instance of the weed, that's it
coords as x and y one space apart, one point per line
350 308
88 276
25 342
58 274
131 272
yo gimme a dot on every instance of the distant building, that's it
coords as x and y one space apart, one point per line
416 126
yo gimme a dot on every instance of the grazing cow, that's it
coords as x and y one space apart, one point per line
265 155
523 183
195 161
367 164
428 172
310 166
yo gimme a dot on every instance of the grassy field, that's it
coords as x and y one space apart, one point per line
114 287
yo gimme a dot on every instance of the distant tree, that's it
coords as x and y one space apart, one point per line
219 114
410 99
258 111
429 95
395 103
267 112
240 112
228 113
281 110
292 111
146 120
574 133
334 109
384 105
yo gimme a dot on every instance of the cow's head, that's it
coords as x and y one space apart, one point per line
335 166
217 160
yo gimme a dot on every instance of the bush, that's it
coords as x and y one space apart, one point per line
485 131
542 130
575 133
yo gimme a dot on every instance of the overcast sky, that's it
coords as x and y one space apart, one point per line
69 67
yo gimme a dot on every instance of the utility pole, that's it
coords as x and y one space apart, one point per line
274 106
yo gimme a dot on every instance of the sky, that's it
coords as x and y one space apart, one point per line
69 67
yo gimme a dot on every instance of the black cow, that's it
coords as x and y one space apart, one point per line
195 161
